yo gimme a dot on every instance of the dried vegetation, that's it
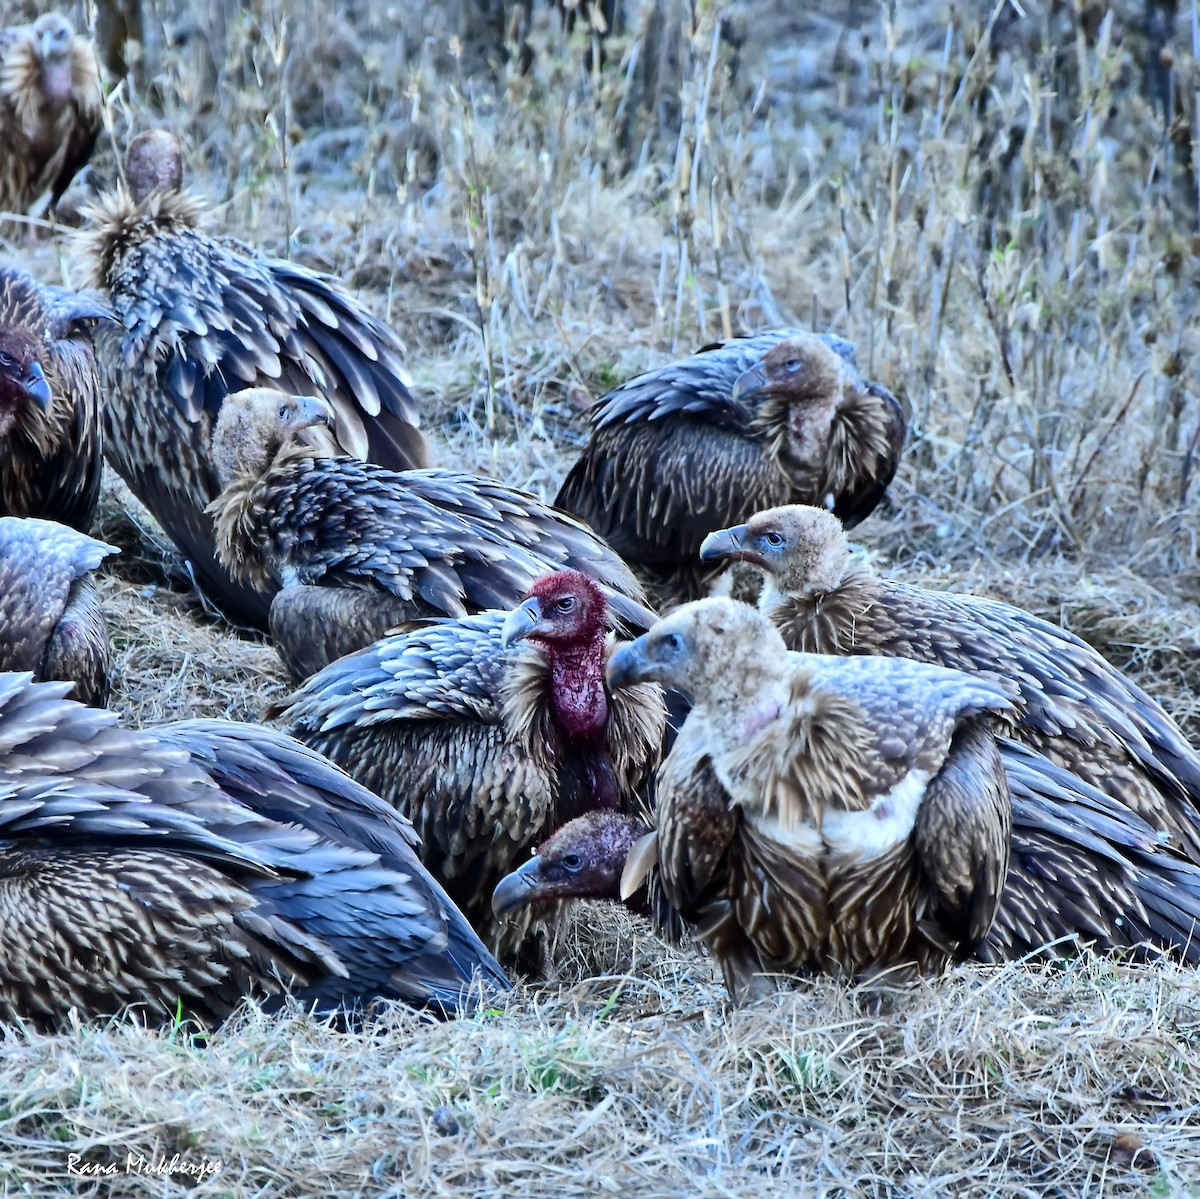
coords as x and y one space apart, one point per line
1000 210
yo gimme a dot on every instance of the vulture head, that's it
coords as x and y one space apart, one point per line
711 650
22 381
802 550
154 162
839 436
565 615
583 860
255 424
53 37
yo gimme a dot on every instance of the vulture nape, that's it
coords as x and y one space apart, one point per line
840 815
489 731
51 109
51 447
202 317
352 550
1083 872
51 620
1067 701
744 424
186 867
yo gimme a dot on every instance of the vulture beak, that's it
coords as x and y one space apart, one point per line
311 411
724 543
628 665
519 888
36 387
750 383
47 44
521 622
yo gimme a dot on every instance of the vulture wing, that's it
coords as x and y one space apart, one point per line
87 105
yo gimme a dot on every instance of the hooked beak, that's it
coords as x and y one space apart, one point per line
628 665
518 889
750 383
36 387
312 411
520 622
724 543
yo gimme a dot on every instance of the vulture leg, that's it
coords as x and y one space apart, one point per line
77 651
313 626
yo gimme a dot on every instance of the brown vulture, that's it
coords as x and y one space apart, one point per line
488 731
840 815
1068 702
182 868
201 317
51 109
356 549
51 621
51 447
741 425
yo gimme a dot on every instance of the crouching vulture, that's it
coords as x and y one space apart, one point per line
51 447
359 549
202 317
488 731
185 867
741 425
843 815
51 109
1068 702
51 620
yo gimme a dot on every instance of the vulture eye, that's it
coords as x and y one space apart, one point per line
792 365
572 863
565 604
5 359
773 539
673 642
284 412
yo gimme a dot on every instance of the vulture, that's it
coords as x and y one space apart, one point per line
1083 871
51 109
202 317
182 868
741 425
818 814
1068 702
51 621
351 550
51 446
488 731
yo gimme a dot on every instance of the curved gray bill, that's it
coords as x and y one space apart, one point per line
722 543
520 622
517 889
749 382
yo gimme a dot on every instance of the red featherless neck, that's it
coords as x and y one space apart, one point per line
578 700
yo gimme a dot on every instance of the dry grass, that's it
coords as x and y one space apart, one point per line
1009 238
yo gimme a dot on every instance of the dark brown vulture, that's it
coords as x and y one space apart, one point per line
1068 702
1083 871
51 446
188 866
356 549
51 621
488 731
837 815
778 418
51 109
202 317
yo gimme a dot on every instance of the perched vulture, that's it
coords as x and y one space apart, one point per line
841 815
488 731
51 621
356 549
51 109
185 867
1068 702
1082 870
51 449
741 425
202 317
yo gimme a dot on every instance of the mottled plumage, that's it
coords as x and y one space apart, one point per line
485 744
51 446
197 863
51 109
51 620
202 317
358 549
846 815
741 425
1068 702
